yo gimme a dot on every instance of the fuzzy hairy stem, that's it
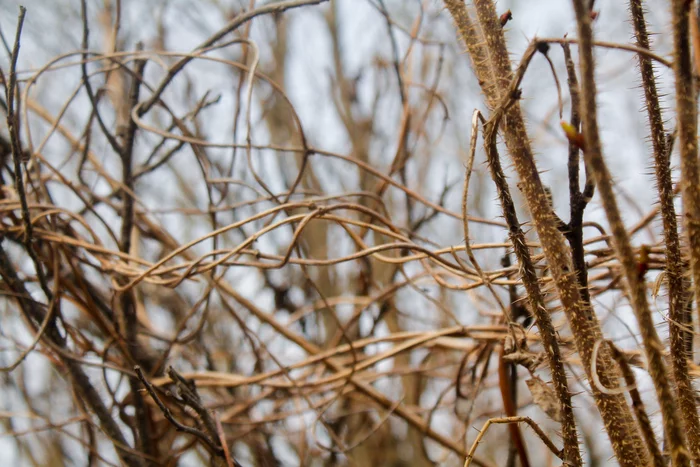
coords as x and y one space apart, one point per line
674 261
617 417
637 288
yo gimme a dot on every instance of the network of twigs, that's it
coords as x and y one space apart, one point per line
266 326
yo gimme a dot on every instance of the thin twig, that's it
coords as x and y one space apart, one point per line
234 24
542 435
16 145
167 413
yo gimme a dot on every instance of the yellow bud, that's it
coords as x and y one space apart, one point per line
573 135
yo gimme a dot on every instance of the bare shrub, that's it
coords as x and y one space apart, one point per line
265 234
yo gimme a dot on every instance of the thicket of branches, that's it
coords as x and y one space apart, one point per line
269 249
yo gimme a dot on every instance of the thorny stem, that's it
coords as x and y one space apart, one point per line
674 263
638 407
535 298
686 112
614 411
636 286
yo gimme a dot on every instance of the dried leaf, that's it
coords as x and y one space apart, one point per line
545 397
529 360
658 283
508 345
